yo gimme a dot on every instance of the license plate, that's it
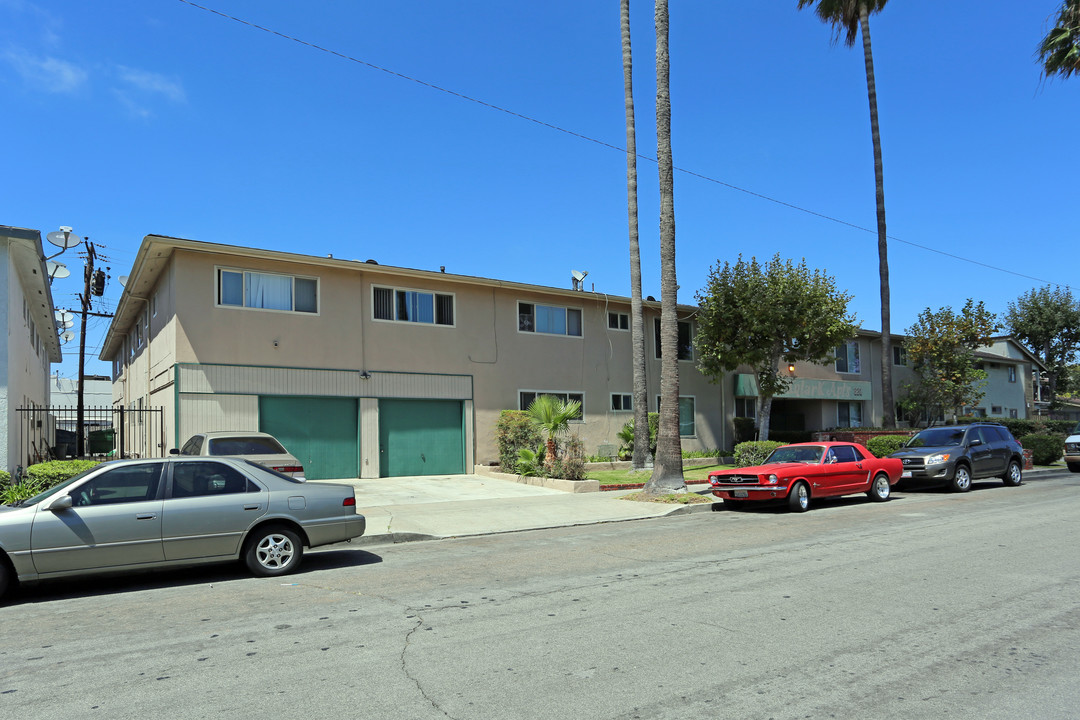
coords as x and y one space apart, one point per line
740 493
905 474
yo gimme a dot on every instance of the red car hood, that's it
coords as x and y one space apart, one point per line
759 469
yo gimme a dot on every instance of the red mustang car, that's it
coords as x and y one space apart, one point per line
799 472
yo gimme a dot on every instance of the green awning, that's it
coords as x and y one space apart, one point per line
746 385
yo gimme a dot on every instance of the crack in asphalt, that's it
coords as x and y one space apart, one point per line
407 674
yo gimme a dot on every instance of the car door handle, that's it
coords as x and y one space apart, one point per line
145 517
251 507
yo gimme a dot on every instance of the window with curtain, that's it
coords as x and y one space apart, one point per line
847 359
267 291
413 306
549 319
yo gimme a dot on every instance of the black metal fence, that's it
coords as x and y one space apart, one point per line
52 433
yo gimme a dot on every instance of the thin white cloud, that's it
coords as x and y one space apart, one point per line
48 74
151 83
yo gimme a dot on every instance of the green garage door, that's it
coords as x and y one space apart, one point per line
322 432
421 437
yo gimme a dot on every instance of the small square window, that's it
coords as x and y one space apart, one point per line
622 402
618 321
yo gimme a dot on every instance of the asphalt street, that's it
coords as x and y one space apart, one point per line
930 605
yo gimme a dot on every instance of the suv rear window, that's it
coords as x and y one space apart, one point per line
245 446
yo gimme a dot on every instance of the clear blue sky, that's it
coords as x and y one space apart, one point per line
132 117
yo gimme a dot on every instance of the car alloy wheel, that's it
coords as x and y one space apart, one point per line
1013 475
799 499
273 551
880 488
961 479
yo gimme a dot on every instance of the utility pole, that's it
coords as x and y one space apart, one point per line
94 284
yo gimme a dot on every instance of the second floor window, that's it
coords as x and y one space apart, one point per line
686 339
413 306
266 291
899 355
847 358
549 320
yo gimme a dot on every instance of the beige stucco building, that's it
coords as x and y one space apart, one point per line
365 370
30 342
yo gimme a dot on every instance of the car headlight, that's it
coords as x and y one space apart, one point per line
937 459
772 480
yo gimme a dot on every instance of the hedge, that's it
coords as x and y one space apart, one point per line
754 452
1045 449
885 445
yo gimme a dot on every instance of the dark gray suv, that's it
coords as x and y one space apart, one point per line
957 454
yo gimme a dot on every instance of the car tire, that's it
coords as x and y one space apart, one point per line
880 490
735 505
1013 474
273 550
961 481
798 499
1073 467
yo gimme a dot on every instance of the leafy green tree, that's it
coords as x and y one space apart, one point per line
553 417
641 454
1059 51
667 475
763 315
941 348
847 18
1047 320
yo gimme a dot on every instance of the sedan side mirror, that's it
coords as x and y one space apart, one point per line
61 502
174 451
975 442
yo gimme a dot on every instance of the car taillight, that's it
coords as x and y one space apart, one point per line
289 468
348 502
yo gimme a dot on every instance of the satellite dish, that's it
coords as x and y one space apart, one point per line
62 315
63 238
123 280
67 324
57 270
67 336
579 275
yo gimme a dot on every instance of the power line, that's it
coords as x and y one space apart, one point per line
608 145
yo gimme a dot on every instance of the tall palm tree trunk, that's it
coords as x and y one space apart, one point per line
888 406
637 321
667 473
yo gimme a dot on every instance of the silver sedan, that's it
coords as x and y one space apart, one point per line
138 514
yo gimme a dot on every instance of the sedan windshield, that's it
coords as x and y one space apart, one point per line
937 437
245 446
805 454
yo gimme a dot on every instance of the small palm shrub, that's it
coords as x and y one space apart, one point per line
514 432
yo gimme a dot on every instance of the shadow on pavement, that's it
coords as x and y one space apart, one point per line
138 580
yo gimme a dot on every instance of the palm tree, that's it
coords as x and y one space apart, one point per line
667 475
1059 52
848 17
637 320
553 416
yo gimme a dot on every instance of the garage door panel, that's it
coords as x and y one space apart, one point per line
323 433
421 437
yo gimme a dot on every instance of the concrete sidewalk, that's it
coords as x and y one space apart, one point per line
402 509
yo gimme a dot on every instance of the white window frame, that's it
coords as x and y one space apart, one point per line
693 420
620 318
744 401
394 290
564 395
244 272
566 319
625 402
899 353
1012 373
858 358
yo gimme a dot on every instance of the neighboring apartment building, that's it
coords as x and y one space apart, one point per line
365 370
30 341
